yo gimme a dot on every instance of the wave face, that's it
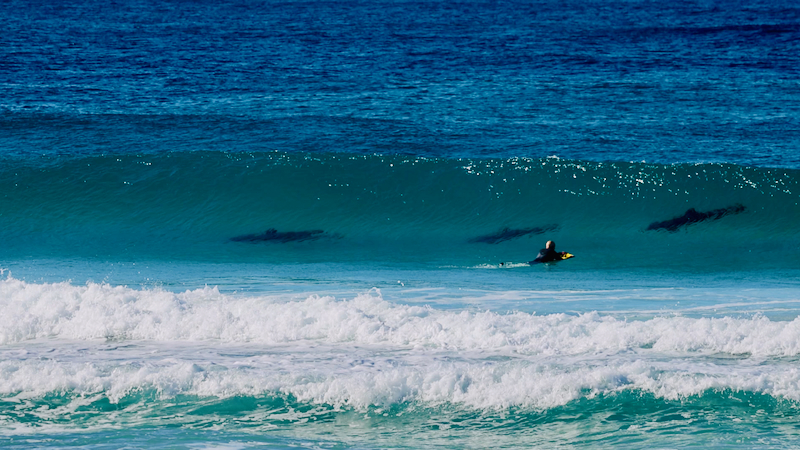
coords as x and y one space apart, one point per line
121 357
396 208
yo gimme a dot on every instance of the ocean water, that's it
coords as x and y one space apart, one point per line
280 224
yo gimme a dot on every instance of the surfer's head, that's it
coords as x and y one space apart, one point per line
550 245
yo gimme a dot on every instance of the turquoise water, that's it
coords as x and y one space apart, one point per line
281 224
423 211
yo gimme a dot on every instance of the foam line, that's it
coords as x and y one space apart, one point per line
100 311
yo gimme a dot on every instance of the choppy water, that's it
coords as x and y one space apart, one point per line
281 224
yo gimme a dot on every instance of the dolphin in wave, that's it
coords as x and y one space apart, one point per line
273 235
511 233
694 216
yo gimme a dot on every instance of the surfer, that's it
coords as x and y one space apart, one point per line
548 254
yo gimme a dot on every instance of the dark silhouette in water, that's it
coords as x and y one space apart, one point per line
694 216
511 233
273 235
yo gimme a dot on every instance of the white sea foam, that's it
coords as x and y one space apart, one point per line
385 383
100 341
100 311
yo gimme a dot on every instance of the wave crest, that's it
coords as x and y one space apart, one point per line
101 311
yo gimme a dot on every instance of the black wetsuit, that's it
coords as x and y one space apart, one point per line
546 255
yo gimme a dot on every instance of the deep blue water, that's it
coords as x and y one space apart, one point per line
587 80
281 224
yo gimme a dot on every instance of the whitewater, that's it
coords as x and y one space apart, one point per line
113 356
